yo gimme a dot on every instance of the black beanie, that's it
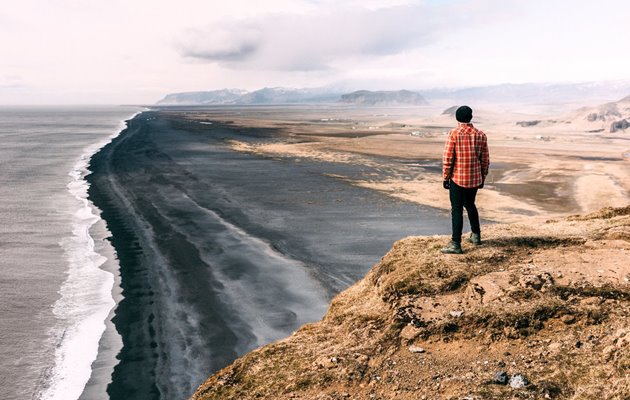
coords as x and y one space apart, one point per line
463 114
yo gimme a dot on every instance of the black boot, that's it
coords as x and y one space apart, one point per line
452 248
475 238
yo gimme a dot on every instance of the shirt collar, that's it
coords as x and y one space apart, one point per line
464 124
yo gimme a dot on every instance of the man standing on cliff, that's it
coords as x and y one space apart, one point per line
465 163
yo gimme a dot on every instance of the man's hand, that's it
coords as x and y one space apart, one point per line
446 184
482 182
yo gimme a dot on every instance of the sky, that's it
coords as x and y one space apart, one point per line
137 51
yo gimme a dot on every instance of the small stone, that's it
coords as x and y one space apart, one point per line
416 349
518 381
500 378
362 358
510 332
327 362
536 282
410 332
568 319
555 347
456 313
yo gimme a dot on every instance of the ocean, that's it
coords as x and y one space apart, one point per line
57 271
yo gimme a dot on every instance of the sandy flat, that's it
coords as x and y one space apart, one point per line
554 168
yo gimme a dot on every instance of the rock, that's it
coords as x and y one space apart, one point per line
536 282
362 359
555 347
500 378
568 319
410 332
592 117
591 302
416 349
525 124
456 313
510 332
621 125
450 111
327 362
518 381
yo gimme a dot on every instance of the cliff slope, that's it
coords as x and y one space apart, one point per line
538 311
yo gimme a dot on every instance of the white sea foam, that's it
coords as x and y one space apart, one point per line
86 295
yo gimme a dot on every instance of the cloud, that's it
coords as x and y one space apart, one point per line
221 43
315 42
12 82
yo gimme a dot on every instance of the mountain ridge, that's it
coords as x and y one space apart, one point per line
383 98
583 92
267 95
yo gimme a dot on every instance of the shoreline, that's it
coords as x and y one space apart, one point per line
165 184
72 370
110 342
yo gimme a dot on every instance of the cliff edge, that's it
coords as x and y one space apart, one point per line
538 311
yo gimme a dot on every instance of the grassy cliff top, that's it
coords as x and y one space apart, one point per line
546 305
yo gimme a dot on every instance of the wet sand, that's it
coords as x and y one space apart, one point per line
222 251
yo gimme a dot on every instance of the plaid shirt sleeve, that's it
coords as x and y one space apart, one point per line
448 156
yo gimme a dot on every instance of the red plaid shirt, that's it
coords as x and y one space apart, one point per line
466 158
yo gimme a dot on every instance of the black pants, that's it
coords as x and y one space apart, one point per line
463 198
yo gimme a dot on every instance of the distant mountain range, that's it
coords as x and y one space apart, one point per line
535 93
262 96
384 98
538 93
294 96
225 96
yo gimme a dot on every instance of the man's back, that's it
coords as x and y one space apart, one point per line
466 157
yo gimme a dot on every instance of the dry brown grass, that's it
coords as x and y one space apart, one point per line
527 302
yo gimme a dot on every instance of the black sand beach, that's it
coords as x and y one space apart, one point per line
222 251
